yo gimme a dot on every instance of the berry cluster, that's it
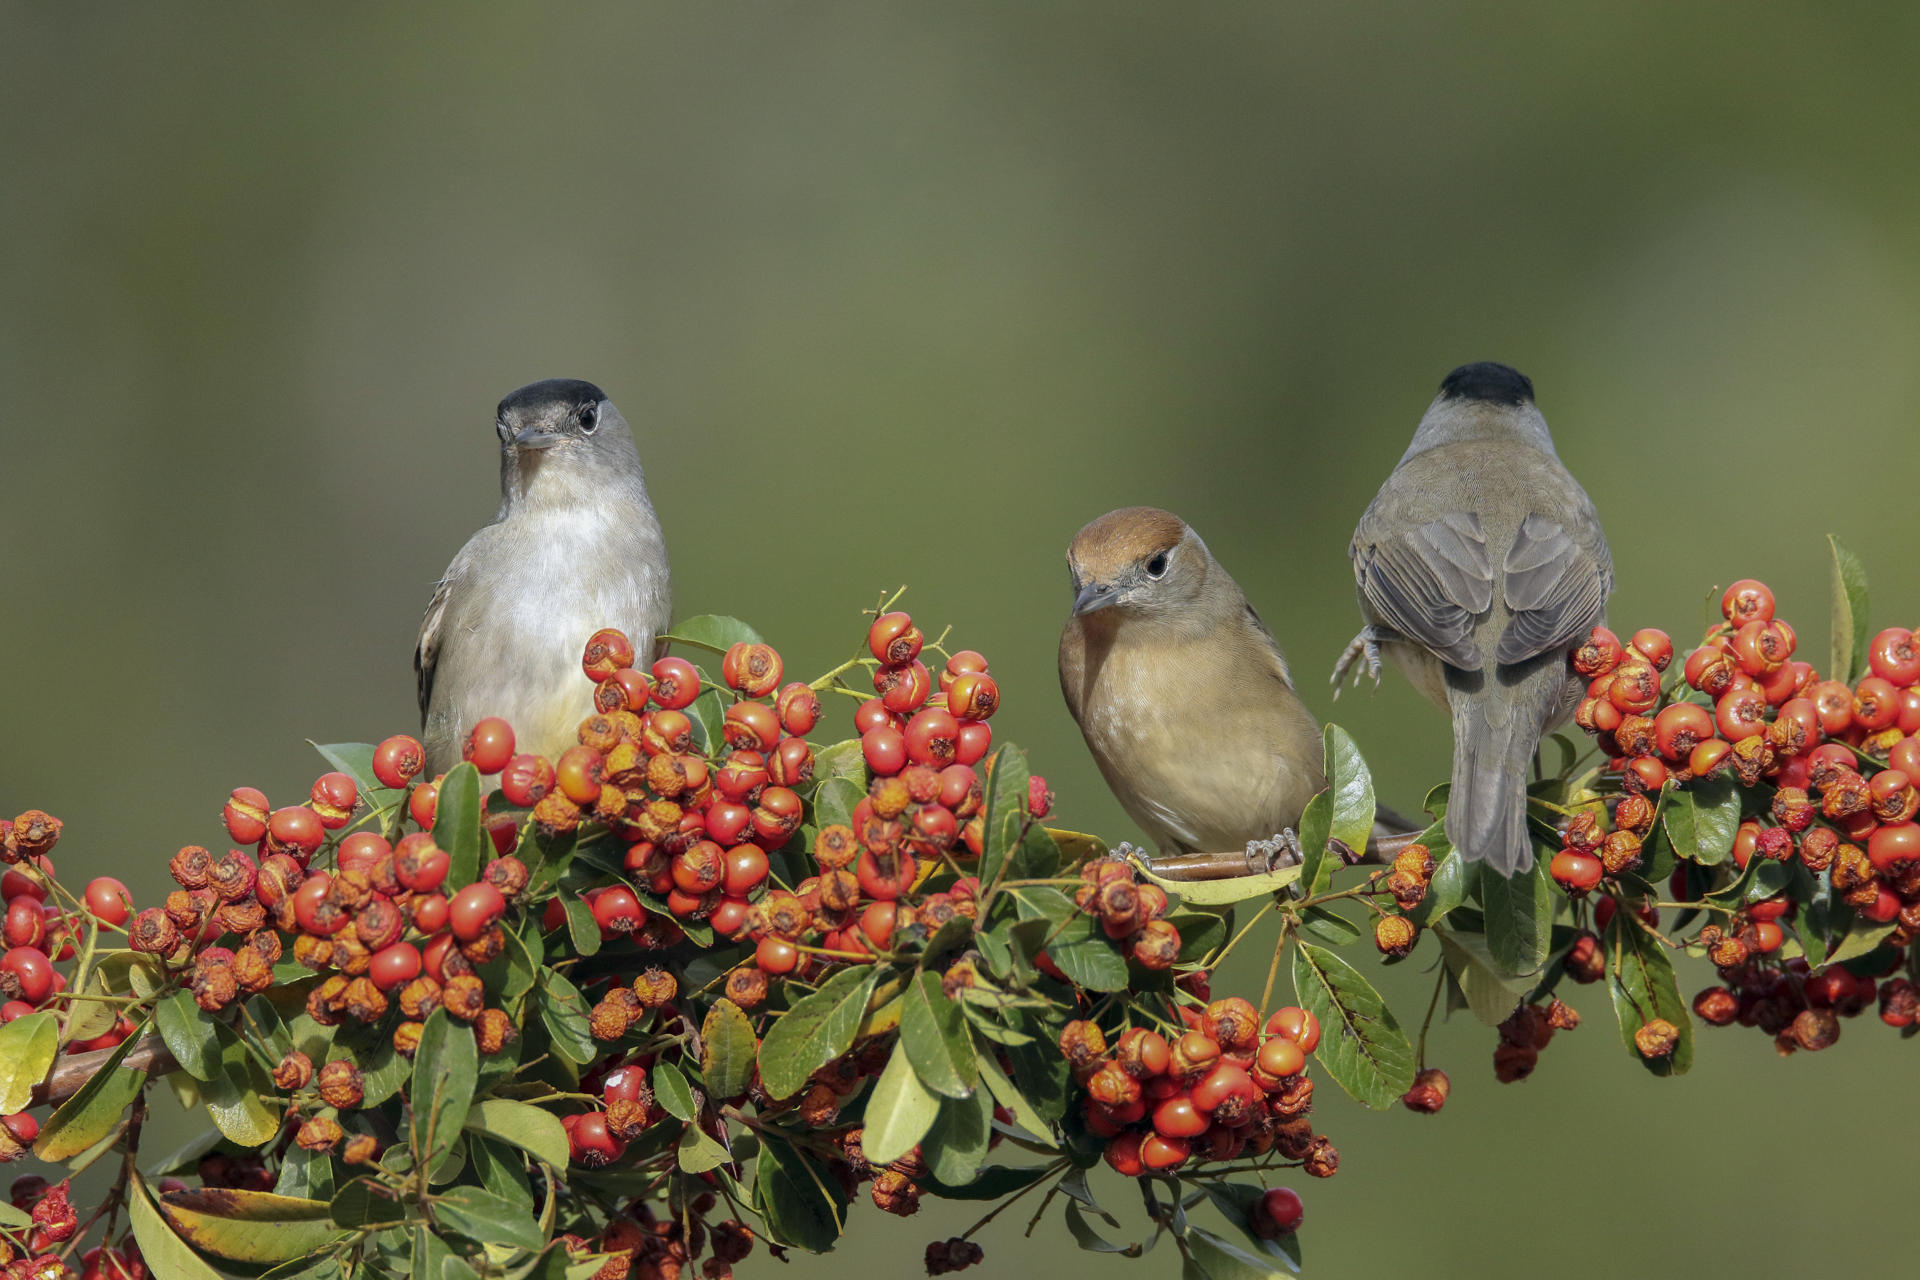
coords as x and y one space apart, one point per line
1823 785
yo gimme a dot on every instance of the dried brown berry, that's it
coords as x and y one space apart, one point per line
1657 1039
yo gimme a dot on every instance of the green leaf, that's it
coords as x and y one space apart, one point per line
1701 819
844 759
802 1203
1092 1241
85 1118
900 1111
364 1203
564 1011
675 1095
697 1153
582 928
456 825
305 1175
490 1219
1224 893
1220 1259
727 1049
166 1254
446 1068
1005 809
1325 925
1041 1072
957 1143
934 1033
991 1183
834 801
816 1030
1201 933
1519 918
28 1046
533 1129
187 1033
1490 996
714 632
12 1218
1452 878
1641 983
1085 955
249 1226
1762 879
1351 786
234 1096
1847 647
1024 1113
1236 1202
1315 830
1362 1045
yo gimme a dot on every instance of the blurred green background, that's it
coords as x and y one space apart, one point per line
907 294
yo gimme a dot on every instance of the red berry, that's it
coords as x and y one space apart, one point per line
1228 1080
873 714
592 1143
307 900
754 669
1280 1212
1895 657
676 683
333 798
489 745
1747 601
1576 872
296 830
419 864
430 912
1281 1057
394 966
30 972
730 917
422 802
577 774
976 737
1654 645
727 822
1039 798
931 737
876 922
618 910
607 651
776 955
1892 845
885 750
903 689
26 922
894 640
526 780
246 815
885 878
624 1084
777 816
798 707
109 901
1178 1117
751 726
1296 1024
746 870
473 909
1876 704
1123 1154
398 761
1161 1153
361 851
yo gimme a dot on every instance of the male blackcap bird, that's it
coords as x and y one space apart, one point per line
1481 564
575 548
1182 694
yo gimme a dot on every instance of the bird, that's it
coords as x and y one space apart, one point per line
1183 695
576 547
1480 565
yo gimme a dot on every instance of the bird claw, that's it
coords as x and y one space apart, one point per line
1131 854
1274 854
1365 645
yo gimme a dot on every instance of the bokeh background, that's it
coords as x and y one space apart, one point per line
907 294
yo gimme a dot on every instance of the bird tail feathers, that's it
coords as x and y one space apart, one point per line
1487 803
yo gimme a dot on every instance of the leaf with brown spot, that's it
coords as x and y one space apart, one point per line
249 1226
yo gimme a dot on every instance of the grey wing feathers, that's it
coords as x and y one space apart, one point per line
1431 584
1556 589
426 651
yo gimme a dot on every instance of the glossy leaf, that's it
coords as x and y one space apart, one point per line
1084 954
481 1215
834 801
1006 807
1640 981
697 1153
1317 862
249 1226
900 1111
364 1203
1224 893
1325 925
305 1175
564 1012
1490 995
88 1115
802 1203
727 1049
957 1143
1237 1201
583 930
1216 1258
534 1130
1004 1092
166 1254
446 1068
934 1034
675 1095
28 1046
234 1096
844 759
456 825
1362 1046
714 632
1092 1241
1847 644
817 1029
1519 917
1701 820
1351 786
355 759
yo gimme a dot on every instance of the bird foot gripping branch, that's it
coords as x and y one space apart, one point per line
699 981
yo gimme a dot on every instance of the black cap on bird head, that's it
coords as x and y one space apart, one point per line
1488 381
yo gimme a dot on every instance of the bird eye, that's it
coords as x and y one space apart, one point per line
1157 567
589 418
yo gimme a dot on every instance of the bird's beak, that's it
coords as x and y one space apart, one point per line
1094 596
535 438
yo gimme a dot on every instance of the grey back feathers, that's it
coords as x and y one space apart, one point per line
575 547
1483 563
